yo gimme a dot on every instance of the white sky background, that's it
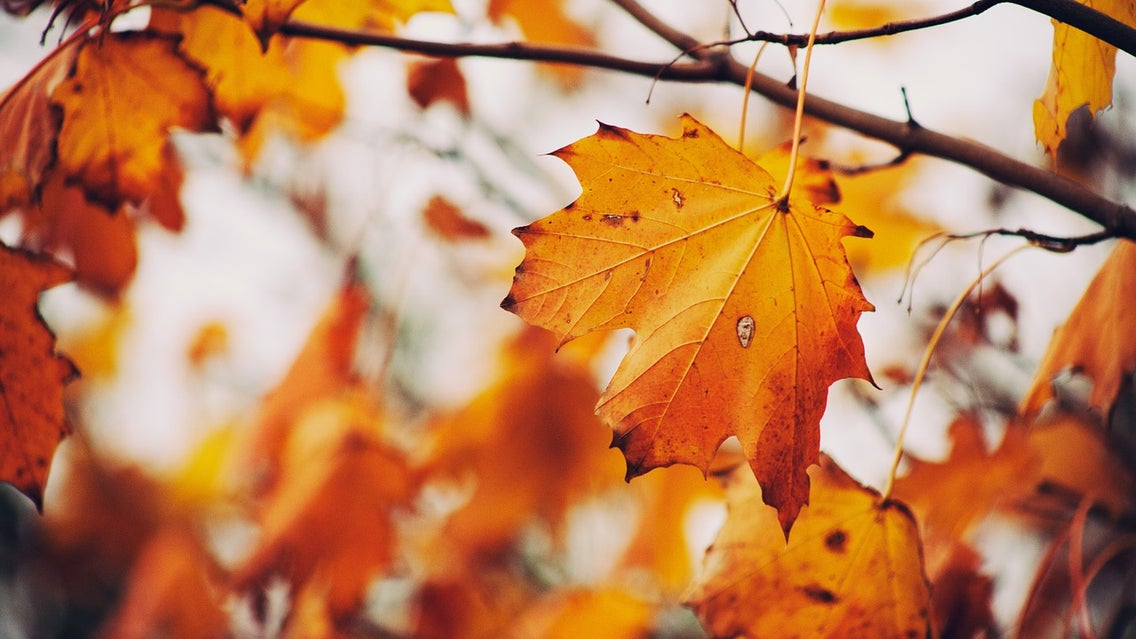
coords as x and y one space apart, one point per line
245 259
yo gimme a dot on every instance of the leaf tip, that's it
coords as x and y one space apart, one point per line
862 231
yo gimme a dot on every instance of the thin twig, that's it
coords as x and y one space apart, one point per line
1118 219
921 372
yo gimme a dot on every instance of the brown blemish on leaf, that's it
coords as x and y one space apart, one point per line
677 198
836 541
820 594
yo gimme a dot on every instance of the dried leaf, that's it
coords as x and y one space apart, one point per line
432 81
531 443
744 312
100 245
852 567
1080 75
32 375
242 77
448 222
125 93
1077 454
170 592
29 124
944 495
1097 339
328 524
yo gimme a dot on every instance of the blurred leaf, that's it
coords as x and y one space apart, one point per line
1098 338
449 223
172 591
32 375
29 125
531 444
125 93
945 496
432 81
852 567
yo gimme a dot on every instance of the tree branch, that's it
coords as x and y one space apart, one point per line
907 137
1075 14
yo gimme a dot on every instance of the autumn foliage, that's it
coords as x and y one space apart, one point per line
670 442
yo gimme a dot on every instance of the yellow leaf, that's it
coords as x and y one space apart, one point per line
29 126
745 310
1081 74
125 93
852 567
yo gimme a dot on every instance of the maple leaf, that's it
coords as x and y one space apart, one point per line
124 94
1080 75
29 124
1096 339
745 311
871 196
32 375
1076 453
852 567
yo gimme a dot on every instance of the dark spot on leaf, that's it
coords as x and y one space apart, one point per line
40 462
862 231
612 220
690 133
508 302
836 541
820 594
587 218
634 216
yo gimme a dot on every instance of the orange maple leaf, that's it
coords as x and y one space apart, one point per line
124 94
32 375
745 310
852 567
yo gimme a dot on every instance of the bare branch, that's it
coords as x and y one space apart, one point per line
1117 219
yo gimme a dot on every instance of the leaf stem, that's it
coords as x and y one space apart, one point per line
799 116
745 97
921 373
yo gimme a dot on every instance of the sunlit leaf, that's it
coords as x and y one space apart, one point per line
1080 75
745 309
29 125
126 92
